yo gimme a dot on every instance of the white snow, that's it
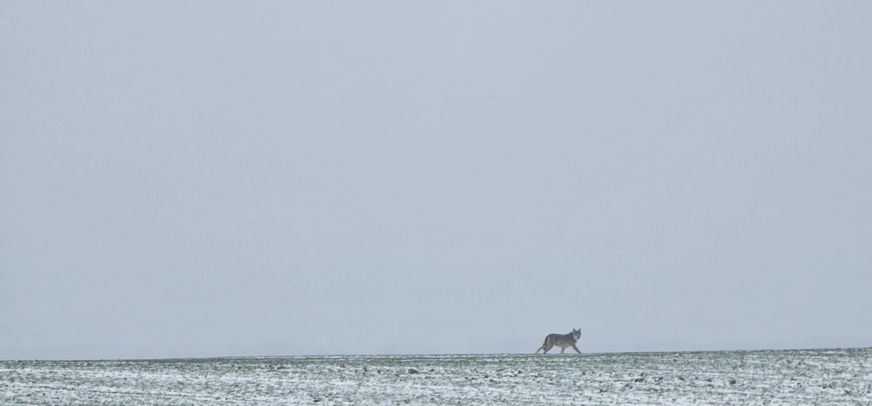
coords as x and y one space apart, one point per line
749 378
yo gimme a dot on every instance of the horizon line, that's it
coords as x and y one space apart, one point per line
567 355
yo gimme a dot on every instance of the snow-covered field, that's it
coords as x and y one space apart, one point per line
739 378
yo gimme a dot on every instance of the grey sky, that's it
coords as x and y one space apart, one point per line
204 179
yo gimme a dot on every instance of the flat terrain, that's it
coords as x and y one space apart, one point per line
739 378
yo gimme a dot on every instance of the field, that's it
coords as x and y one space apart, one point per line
740 378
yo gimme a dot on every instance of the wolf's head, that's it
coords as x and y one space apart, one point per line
576 333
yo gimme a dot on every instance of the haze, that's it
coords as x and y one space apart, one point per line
190 179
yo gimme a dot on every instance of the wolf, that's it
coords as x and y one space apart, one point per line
562 341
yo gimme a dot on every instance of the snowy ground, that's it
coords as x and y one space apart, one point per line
740 378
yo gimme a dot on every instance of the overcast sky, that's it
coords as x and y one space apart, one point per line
187 179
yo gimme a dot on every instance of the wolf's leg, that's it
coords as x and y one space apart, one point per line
562 349
544 346
548 348
575 348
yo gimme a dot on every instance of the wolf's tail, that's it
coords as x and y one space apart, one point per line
542 348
